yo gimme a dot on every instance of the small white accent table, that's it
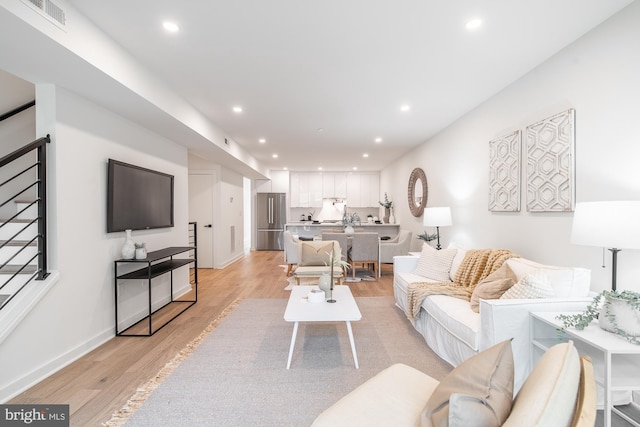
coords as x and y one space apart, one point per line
299 309
615 360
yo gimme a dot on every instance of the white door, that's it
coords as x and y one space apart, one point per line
201 188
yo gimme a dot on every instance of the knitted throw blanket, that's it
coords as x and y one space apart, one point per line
475 267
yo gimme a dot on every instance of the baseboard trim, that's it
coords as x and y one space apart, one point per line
47 369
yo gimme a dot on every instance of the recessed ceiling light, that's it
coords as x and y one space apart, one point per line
171 27
474 24
355 168
405 107
237 109
285 168
275 156
262 140
320 168
378 140
365 155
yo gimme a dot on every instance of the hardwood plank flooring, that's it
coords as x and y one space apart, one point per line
100 383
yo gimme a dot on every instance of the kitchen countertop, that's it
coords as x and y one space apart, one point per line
332 224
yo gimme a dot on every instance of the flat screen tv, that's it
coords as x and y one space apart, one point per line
138 198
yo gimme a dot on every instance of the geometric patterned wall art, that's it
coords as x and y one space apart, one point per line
504 173
551 163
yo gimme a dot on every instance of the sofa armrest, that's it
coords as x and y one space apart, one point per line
503 319
395 396
405 263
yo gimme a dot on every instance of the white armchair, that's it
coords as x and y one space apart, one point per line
290 250
398 246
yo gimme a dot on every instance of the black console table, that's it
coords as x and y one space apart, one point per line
157 263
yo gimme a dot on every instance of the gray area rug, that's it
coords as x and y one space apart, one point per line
237 376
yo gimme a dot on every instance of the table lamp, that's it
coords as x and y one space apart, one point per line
437 217
611 225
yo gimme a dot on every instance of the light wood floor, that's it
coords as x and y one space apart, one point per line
100 383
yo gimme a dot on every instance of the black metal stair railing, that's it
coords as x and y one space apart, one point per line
18 267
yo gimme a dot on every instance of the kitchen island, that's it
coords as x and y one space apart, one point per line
310 229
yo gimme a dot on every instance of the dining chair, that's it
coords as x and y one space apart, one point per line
364 250
341 238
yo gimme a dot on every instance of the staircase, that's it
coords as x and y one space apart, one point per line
23 232
18 250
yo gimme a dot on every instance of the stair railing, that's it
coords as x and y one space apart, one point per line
38 146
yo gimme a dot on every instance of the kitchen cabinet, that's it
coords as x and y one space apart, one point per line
279 183
334 185
307 189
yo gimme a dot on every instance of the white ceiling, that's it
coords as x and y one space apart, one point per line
344 66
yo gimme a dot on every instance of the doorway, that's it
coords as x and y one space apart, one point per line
201 197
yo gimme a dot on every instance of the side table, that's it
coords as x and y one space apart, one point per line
615 360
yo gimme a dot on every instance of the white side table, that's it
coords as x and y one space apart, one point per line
616 362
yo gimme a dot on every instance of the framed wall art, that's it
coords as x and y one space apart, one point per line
550 172
504 173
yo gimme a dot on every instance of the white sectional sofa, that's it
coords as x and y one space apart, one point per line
456 332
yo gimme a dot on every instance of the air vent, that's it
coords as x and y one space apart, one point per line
49 9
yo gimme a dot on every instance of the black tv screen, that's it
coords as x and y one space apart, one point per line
138 198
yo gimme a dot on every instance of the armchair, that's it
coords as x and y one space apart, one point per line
397 246
290 250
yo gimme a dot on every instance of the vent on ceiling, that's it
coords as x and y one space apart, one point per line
50 9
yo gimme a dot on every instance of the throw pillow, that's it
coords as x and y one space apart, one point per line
435 265
457 260
314 253
548 396
493 286
530 286
478 392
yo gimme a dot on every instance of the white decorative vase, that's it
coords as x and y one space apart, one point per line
324 283
626 316
129 248
348 230
141 253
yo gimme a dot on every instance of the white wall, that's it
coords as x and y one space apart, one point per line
599 76
78 313
228 211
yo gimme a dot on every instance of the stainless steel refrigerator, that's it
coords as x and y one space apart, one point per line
270 220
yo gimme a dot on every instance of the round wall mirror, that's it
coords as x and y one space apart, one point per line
417 192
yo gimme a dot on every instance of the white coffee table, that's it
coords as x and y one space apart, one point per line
344 309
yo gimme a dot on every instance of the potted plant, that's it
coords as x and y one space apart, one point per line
387 205
141 250
427 237
617 312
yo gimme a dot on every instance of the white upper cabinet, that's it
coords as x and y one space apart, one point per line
334 185
279 183
360 189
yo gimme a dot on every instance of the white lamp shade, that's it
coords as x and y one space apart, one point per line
607 224
437 217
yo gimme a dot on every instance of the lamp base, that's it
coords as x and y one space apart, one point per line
614 267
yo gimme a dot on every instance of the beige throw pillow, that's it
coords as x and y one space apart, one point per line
435 264
314 253
548 396
478 392
493 286
530 286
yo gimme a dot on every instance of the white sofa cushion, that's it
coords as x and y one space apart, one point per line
453 314
566 281
456 316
